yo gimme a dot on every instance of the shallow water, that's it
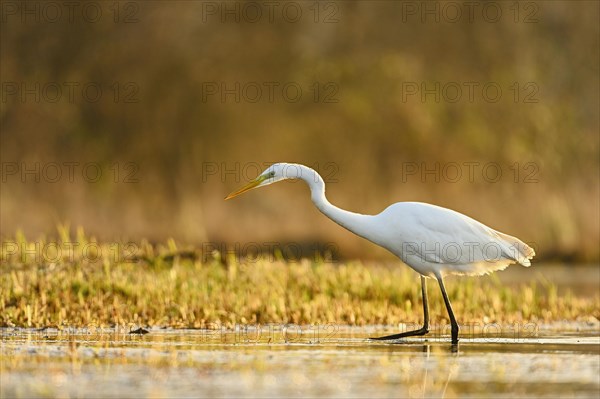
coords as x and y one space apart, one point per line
314 361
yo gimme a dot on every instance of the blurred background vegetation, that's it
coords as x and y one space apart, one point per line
169 149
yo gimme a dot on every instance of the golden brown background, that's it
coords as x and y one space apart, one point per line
169 151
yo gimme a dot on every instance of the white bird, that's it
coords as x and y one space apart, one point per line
432 240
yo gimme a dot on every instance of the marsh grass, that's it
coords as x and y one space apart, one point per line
107 284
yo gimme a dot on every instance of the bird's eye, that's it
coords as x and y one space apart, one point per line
272 174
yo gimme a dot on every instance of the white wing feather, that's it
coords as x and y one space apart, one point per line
436 240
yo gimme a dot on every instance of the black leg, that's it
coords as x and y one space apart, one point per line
453 323
423 330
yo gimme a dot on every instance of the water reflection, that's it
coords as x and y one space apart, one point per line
292 362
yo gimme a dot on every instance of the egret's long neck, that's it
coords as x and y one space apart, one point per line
355 222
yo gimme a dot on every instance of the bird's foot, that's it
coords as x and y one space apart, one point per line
421 331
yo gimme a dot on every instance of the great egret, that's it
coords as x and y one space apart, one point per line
432 240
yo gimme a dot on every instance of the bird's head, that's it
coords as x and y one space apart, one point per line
272 174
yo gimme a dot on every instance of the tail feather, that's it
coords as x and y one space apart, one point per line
517 249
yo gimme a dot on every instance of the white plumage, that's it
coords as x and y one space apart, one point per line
432 240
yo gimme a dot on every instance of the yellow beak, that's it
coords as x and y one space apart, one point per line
253 184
